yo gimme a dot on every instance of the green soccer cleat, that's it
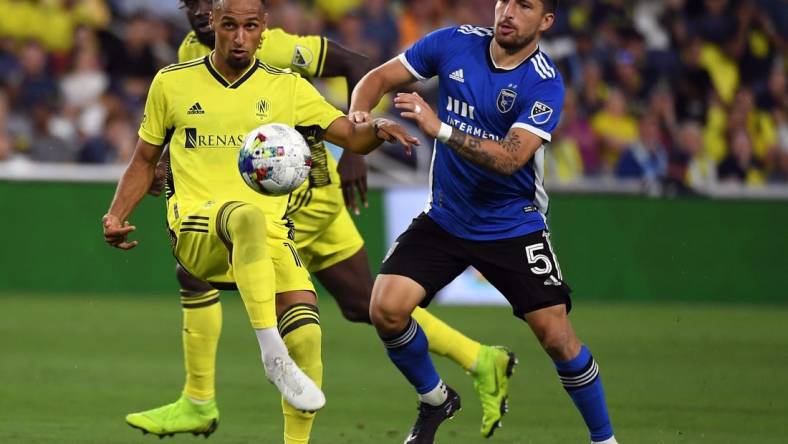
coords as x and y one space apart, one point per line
182 416
491 381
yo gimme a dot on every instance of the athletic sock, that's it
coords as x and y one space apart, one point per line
580 377
409 351
446 341
202 326
299 327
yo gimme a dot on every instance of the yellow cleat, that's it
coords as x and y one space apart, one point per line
491 381
182 416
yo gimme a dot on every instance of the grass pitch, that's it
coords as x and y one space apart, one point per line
72 366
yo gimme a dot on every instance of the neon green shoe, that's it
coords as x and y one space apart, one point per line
491 381
182 416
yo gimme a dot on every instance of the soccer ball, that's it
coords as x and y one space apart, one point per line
274 159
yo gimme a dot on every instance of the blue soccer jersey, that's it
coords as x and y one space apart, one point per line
485 101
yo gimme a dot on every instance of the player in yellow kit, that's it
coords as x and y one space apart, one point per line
326 237
221 231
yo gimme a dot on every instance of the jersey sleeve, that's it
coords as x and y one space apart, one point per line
153 128
425 56
541 109
312 108
303 54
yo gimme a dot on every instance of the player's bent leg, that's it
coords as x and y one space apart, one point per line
299 325
202 326
393 299
350 282
576 367
245 229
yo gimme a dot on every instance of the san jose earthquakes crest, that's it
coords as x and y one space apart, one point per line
505 100
540 113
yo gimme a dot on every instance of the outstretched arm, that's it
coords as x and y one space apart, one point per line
131 189
362 138
503 157
374 85
352 168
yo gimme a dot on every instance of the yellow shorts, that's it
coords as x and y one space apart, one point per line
325 232
204 252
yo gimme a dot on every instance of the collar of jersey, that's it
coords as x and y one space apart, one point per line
496 68
219 78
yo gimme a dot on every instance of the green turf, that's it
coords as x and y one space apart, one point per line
72 367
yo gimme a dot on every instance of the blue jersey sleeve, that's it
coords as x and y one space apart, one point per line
541 109
424 58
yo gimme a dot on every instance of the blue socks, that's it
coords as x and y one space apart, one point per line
409 351
580 377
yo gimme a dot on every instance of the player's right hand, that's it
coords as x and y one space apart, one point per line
359 117
115 233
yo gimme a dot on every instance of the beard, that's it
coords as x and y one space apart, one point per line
238 64
206 38
516 44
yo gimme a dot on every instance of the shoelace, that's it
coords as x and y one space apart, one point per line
287 375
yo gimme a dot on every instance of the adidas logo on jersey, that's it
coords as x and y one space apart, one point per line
458 76
195 109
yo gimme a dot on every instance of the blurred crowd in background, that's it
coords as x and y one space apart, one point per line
689 93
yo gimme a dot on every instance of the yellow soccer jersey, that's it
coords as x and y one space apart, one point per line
205 119
303 54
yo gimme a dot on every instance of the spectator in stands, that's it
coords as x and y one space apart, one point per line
646 158
6 148
46 145
755 44
114 145
595 91
574 126
615 127
689 169
779 174
380 30
37 84
740 166
419 18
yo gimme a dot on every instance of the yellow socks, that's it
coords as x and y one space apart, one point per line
447 341
253 268
202 325
299 326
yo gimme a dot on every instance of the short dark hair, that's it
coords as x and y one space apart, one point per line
550 5
264 2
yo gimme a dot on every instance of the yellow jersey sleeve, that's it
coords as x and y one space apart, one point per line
191 48
153 128
311 108
303 54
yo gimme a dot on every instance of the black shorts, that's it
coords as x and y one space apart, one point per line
523 269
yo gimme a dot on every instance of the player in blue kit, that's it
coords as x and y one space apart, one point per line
500 99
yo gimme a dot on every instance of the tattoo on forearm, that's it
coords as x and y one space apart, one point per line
471 148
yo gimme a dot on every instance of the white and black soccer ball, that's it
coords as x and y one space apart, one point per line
274 159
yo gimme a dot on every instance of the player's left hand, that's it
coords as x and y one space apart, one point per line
393 132
415 108
353 172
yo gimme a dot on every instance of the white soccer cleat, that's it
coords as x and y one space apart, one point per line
611 440
296 387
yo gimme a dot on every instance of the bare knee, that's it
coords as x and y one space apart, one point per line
393 300
358 311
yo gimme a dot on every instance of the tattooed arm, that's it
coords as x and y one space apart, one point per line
503 157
